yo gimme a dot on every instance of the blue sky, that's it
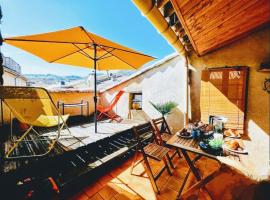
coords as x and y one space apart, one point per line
117 20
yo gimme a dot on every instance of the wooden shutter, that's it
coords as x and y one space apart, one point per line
223 93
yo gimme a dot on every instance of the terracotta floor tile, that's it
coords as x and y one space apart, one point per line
115 172
168 194
92 189
174 183
120 184
121 197
107 192
96 197
79 196
180 172
105 179
127 196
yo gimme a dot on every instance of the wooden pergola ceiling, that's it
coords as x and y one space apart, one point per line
210 24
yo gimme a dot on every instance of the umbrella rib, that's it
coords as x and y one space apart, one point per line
67 55
88 35
84 53
127 51
103 56
45 41
119 58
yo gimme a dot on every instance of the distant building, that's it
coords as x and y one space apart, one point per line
12 73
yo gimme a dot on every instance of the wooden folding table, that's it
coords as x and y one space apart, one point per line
191 145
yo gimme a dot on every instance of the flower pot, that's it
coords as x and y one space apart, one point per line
135 105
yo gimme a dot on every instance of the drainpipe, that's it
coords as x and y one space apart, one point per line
187 91
152 13
15 80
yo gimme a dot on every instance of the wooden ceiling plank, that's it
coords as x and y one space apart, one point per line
209 49
220 39
214 46
194 6
205 17
260 16
226 14
203 8
185 2
211 24
254 22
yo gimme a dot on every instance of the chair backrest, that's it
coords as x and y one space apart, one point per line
143 133
116 99
28 103
161 125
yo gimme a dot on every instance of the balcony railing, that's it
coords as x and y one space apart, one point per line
11 64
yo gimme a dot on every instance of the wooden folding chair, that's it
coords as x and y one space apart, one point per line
163 134
33 106
151 150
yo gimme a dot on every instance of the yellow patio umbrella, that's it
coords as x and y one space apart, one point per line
78 47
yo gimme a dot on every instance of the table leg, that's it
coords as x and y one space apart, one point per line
187 175
191 166
201 182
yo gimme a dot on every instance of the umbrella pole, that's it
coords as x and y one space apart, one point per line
95 86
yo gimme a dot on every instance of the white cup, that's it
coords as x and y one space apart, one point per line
218 136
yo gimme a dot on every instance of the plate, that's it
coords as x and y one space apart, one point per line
182 136
232 136
225 147
235 151
206 147
237 136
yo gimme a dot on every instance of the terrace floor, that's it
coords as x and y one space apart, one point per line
119 184
86 132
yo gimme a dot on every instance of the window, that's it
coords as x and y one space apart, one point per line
136 101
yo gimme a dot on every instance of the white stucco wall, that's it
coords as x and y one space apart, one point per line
10 79
165 82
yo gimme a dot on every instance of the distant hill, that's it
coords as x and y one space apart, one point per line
45 80
50 79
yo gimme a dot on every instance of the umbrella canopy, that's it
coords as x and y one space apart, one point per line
74 47
78 47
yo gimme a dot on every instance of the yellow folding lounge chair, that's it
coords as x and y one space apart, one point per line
33 106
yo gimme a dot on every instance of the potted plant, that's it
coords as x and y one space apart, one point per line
164 108
136 104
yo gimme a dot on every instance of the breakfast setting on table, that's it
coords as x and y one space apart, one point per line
213 138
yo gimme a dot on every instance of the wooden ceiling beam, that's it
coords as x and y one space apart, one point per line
172 19
168 10
161 3
176 26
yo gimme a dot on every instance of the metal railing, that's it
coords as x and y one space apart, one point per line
11 64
